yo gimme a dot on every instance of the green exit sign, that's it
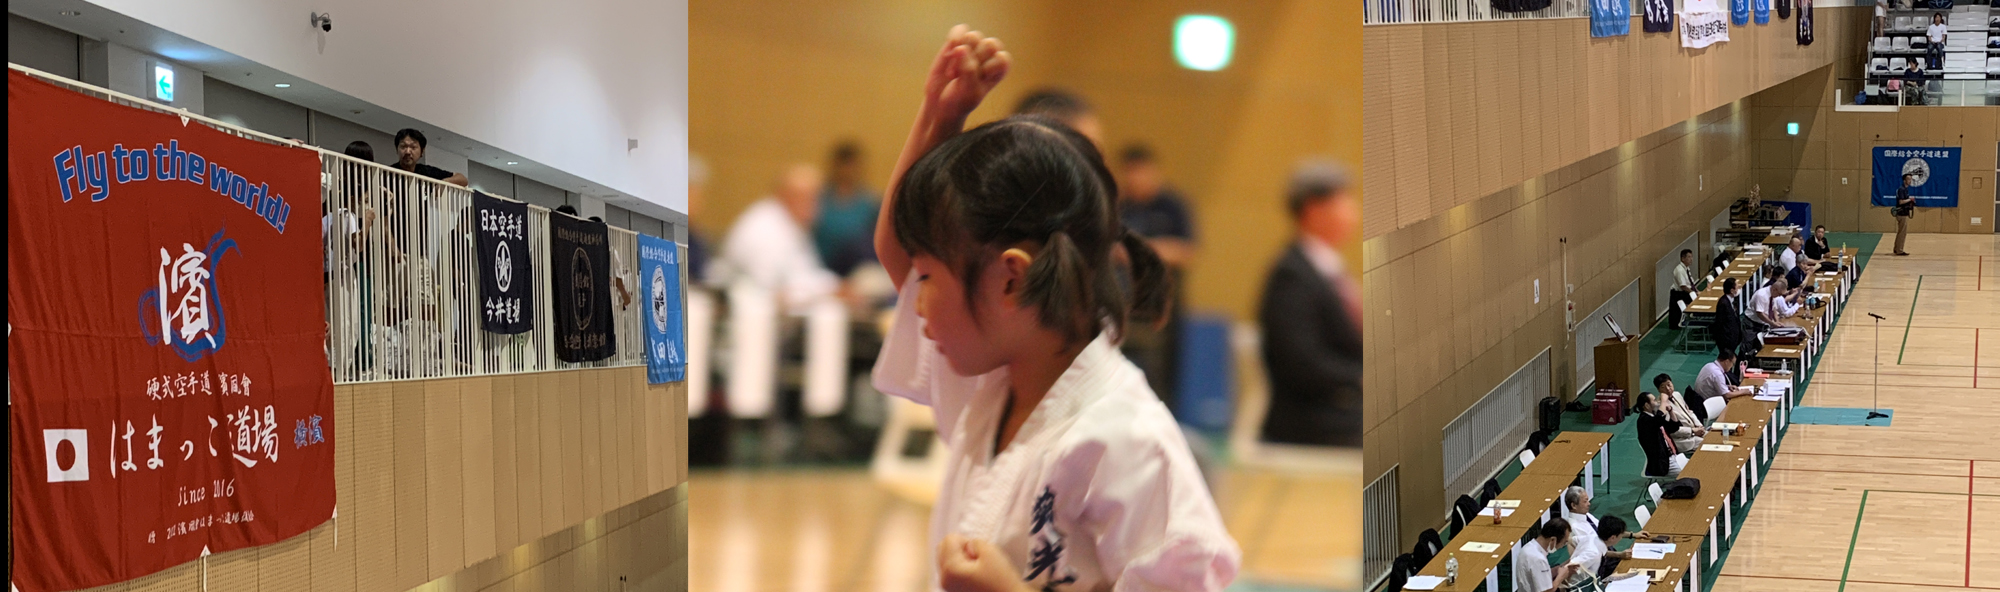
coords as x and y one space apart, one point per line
163 82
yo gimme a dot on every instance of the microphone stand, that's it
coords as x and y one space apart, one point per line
1875 410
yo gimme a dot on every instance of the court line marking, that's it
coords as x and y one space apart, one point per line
1856 537
1907 321
1851 539
1858 472
1737 575
1975 357
1971 471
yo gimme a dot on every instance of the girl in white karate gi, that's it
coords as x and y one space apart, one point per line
1066 472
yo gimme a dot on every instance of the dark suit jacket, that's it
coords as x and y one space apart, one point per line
1728 327
1653 433
1312 353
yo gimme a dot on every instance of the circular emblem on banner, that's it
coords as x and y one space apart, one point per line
580 286
503 267
1917 166
660 299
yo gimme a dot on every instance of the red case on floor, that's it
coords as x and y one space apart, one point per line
1608 408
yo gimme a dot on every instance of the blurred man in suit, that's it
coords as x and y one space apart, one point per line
1311 317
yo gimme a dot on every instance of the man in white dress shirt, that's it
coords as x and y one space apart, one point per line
1532 572
1587 549
770 247
770 252
1683 290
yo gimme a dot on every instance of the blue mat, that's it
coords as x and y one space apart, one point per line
1840 416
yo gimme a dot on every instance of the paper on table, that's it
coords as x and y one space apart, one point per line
1635 584
1423 583
1652 550
1475 547
1717 448
1503 512
1723 425
1770 398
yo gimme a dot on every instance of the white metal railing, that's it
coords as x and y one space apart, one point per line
1397 12
1381 538
402 271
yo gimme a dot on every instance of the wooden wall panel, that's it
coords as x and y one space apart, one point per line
1507 101
426 472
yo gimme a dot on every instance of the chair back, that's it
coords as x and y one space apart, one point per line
1643 515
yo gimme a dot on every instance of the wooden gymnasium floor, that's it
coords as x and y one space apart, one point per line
835 530
1910 507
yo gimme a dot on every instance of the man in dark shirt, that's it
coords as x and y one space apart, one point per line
410 145
1152 210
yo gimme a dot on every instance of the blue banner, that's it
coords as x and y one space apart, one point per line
1933 175
664 317
1739 12
1610 18
1762 9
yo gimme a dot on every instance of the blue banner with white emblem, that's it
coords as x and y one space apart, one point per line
666 340
1933 174
1610 18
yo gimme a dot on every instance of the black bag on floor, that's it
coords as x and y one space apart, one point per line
1550 417
1685 488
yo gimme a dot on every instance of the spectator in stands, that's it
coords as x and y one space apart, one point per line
410 145
618 274
568 210
1663 458
697 255
1311 317
1688 437
1934 52
770 247
1881 17
1714 379
845 234
1683 290
1727 330
1065 107
1533 573
1155 211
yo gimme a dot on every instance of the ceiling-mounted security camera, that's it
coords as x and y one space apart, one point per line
323 22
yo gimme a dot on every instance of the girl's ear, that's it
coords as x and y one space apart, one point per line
1014 265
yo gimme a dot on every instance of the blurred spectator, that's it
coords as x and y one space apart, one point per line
845 234
770 247
1311 317
1065 107
619 273
1155 211
410 145
697 255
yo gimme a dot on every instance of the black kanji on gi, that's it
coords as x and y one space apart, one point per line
1045 510
1044 558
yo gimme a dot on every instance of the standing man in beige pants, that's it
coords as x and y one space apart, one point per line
1905 205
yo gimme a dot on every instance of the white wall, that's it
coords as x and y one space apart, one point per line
564 83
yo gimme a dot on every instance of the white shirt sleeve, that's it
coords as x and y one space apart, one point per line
1155 524
1534 574
1588 549
911 366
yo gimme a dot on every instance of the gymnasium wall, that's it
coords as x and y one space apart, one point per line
1456 112
1227 139
1834 145
1451 303
546 481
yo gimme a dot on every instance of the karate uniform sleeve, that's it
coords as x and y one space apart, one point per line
911 366
1155 524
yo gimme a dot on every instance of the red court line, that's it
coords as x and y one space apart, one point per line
1878 456
1971 469
1975 357
1731 575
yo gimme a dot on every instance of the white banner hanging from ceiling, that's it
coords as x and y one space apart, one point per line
1703 23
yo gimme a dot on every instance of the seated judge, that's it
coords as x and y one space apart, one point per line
1816 247
1676 407
771 247
1663 457
1311 318
1714 380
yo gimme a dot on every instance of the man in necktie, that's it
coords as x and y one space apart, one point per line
1311 317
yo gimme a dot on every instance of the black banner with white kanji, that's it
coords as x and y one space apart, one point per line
580 264
506 293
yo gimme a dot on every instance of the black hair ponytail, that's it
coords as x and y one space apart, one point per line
1059 283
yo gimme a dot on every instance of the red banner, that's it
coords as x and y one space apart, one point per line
170 389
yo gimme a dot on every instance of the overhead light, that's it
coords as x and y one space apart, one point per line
71 13
1203 42
283 85
512 163
1792 128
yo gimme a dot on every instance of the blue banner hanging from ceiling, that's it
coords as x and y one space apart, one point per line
1739 12
1762 11
666 340
1933 174
1610 18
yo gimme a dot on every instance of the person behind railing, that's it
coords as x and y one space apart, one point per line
1936 34
844 234
410 145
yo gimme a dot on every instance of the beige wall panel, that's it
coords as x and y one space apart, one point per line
444 476
506 466
411 461
590 397
479 479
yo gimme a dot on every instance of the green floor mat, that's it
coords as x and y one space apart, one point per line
1840 416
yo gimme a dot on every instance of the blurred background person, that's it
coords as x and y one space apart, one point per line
770 246
1066 107
845 234
697 240
1312 317
1156 211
